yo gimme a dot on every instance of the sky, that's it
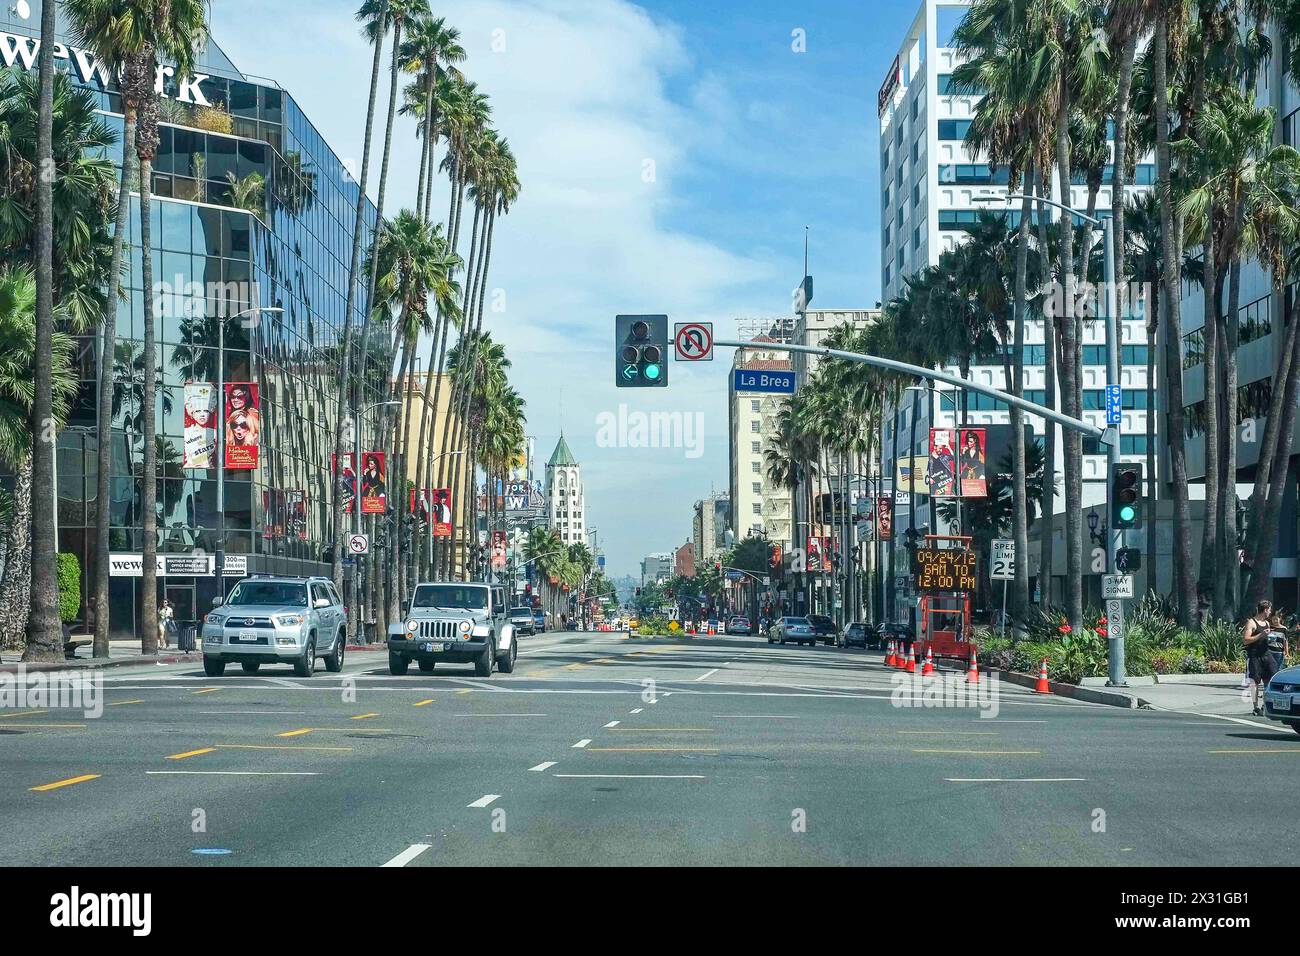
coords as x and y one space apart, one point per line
671 154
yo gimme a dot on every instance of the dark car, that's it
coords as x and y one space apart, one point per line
539 620
738 625
796 629
824 628
858 634
893 631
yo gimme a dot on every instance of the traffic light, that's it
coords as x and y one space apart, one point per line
641 351
1128 560
1126 495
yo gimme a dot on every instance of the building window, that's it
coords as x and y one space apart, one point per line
885 236
753 404
756 467
953 130
758 508
755 447
758 487
753 426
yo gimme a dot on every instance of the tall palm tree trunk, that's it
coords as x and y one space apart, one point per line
1185 586
1152 327
1070 378
1227 579
104 422
148 391
44 634
1016 384
1047 538
1210 416
354 267
16 582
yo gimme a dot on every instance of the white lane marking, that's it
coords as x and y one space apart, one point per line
543 766
636 711
260 713
612 723
581 743
409 854
232 773
761 716
630 776
1004 720
1014 779
709 674
1248 723
483 801
500 715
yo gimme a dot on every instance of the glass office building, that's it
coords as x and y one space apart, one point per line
221 247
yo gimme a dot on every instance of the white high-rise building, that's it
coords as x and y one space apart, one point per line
929 187
758 504
566 507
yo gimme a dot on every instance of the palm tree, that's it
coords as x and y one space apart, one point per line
432 49
374 14
1143 250
17 396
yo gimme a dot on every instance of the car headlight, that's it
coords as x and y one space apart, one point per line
289 620
215 618
412 626
465 627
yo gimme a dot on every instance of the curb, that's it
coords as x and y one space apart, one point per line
98 663
1112 698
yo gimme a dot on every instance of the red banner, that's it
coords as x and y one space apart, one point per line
942 470
442 512
349 499
973 463
818 559
243 425
374 483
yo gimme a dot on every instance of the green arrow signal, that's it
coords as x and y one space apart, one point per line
629 372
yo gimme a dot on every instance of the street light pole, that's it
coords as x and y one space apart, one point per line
220 560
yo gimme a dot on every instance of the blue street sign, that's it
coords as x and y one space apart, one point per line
1114 404
753 380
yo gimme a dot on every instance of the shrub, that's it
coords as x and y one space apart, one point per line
213 119
69 578
1218 667
1221 641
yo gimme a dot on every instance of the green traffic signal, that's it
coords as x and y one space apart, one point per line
1125 495
651 372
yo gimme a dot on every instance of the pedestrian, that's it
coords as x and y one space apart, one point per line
1261 665
165 615
1279 646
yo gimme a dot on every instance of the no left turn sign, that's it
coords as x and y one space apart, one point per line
358 544
693 341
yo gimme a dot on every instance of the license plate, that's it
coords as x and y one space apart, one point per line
428 648
246 636
1280 703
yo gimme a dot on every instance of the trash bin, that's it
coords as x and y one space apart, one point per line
189 636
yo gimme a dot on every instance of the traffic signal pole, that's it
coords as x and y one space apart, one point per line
1114 630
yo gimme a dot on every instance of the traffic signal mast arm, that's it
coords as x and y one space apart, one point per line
1105 435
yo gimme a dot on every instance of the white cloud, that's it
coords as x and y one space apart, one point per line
581 91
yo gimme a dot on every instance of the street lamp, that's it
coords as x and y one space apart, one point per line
354 594
221 437
1115 675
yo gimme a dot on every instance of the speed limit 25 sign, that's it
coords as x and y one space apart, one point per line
1003 565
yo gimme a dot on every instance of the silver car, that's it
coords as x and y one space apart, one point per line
462 622
1282 697
276 620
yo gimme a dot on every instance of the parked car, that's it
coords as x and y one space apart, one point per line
458 622
739 625
893 631
796 629
270 620
1282 698
521 618
824 628
539 621
858 634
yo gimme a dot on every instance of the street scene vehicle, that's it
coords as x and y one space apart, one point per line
858 634
796 630
539 621
824 628
521 619
276 620
454 623
1282 697
739 624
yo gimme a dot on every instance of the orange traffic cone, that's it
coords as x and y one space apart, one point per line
928 669
911 664
890 659
973 675
1042 686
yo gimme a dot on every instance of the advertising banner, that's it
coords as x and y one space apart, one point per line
885 518
295 521
499 549
442 512
942 470
243 425
349 479
200 425
817 560
374 483
911 475
974 463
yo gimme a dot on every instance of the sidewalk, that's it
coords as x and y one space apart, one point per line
120 654
1190 693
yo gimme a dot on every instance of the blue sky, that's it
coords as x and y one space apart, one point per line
750 142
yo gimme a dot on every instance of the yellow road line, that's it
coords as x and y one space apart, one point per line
423 703
296 733
665 730
24 713
981 752
463 690
64 783
272 747
25 724
651 750
207 690
192 753
123 703
363 716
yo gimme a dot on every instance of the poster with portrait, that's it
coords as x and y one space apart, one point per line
442 512
200 425
243 425
499 556
295 519
973 463
885 518
816 559
374 483
420 509
942 470
349 499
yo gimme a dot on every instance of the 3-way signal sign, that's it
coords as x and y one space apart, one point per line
693 341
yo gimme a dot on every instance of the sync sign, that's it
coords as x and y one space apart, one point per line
754 380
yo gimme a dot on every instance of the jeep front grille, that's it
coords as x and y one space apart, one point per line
439 630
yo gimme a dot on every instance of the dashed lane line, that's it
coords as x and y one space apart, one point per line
409 854
541 767
581 744
58 784
486 800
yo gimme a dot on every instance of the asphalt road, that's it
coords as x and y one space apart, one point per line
606 749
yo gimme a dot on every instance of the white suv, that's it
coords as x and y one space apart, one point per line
276 620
